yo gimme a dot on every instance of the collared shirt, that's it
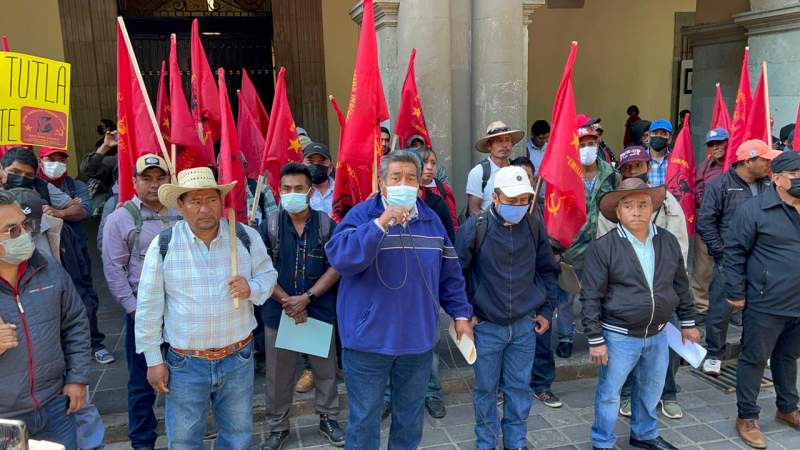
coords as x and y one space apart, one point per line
657 174
536 154
323 202
121 268
589 183
475 179
186 292
645 252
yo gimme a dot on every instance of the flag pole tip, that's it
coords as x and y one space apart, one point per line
574 42
747 48
330 96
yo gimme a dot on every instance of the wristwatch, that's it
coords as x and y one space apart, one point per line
311 296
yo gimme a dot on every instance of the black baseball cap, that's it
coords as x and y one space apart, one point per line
31 204
787 161
315 148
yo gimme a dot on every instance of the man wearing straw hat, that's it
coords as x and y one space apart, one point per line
626 305
207 314
498 143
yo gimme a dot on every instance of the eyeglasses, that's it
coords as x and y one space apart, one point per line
14 231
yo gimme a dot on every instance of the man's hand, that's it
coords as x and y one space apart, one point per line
400 216
736 305
542 324
295 304
77 397
50 211
109 141
599 355
238 287
8 335
690 334
464 328
300 317
158 377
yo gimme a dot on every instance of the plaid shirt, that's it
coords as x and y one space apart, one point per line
186 292
657 174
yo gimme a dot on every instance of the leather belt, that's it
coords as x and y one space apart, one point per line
215 353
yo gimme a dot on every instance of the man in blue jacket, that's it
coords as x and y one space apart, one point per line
397 266
505 246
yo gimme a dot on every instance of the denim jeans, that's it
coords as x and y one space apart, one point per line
434 389
364 372
647 359
670 392
544 363
142 421
226 383
52 423
506 350
719 314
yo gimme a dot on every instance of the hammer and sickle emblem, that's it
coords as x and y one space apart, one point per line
553 204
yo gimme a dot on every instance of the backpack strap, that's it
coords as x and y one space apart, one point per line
163 242
242 235
324 228
133 236
486 165
481 226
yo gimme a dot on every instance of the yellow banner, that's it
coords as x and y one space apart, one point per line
34 100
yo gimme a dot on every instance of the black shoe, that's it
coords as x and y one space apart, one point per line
330 430
653 444
564 349
387 411
435 408
276 440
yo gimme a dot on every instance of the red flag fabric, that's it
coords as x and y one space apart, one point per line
757 125
282 143
337 110
231 167
681 174
205 95
136 132
720 118
565 200
183 132
251 141
5 44
250 96
744 98
410 118
360 147
796 139
162 104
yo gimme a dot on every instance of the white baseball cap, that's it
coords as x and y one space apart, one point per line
513 181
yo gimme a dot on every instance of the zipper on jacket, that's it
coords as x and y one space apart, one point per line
652 313
29 345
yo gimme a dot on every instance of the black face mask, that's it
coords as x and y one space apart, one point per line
319 173
794 188
658 143
18 181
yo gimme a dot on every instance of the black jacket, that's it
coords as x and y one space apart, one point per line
507 277
615 293
721 199
761 252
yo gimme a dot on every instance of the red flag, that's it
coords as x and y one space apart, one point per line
162 104
136 124
719 116
230 157
410 118
360 146
250 96
5 44
681 174
757 125
337 110
205 95
282 144
565 202
251 141
740 111
796 139
183 132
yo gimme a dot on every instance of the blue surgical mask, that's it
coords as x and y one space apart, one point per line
512 213
402 196
294 202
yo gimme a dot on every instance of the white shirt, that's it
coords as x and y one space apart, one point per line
474 180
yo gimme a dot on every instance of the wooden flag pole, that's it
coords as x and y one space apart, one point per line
395 138
376 146
536 190
766 100
139 79
256 198
234 250
174 175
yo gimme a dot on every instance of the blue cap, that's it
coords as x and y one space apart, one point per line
717 134
661 124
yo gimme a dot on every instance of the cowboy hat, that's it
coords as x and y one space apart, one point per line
610 200
495 129
189 180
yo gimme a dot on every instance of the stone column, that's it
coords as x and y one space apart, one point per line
425 25
386 33
461 93
773 34
717 54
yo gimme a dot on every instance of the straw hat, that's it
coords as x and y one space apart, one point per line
189 180
498 128
610 200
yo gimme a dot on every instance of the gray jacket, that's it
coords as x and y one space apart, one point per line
53 336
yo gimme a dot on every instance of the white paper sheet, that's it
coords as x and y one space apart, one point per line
691 352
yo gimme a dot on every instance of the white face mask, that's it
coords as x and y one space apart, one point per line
588 155
54 169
